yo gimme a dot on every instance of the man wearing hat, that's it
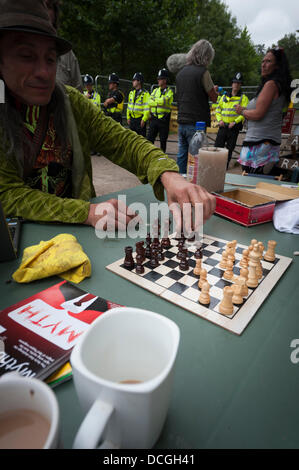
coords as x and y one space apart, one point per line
114 104
138 110
47 131
160 110
230 123
90 92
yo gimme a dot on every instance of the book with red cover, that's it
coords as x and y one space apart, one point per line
39 333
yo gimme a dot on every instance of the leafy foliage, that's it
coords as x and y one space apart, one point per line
126 36
290 44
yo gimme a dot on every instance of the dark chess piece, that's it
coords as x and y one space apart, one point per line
160 253
148 246
129 260
139 265
165 243
184 264
198 253
156 242
180 247
140 250
154 261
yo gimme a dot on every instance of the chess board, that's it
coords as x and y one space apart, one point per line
181 287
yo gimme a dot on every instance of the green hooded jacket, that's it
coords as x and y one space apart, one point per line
88 130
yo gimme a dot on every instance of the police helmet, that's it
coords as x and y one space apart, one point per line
138 76
113 78
88 79
238 78
163 73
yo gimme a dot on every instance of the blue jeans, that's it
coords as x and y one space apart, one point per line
186 132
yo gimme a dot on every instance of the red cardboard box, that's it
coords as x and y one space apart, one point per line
252 206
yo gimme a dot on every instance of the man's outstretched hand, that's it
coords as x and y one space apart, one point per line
180 192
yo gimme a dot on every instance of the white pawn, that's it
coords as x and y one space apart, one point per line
238 290
230 250
244 260
244 276
223 261
228 273
197 268
226 305
204 297
270 253
203 277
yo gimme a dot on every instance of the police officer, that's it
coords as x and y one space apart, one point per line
114 103
160 109
90 92
138 110
230 123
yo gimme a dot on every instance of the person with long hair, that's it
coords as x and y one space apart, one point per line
261 146
194 88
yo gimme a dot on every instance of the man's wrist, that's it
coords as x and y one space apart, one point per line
166 175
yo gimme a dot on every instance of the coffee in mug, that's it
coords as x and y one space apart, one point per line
29 413
23 429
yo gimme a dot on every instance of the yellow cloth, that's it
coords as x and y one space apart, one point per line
62 256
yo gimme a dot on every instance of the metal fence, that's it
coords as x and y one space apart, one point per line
101 85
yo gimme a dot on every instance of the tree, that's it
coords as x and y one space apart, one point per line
126 36
260 49
234 51
290 44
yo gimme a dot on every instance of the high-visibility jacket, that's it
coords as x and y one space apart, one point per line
95 98
225 110
160 102
117 107
215 105
138 107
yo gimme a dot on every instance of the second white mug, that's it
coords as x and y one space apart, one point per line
122 369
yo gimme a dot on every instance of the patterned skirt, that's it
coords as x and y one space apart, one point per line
259 155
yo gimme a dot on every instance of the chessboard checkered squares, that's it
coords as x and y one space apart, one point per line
180 287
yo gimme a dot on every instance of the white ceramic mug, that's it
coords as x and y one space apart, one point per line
124 345
23 393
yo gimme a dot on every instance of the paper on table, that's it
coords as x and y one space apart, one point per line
286 216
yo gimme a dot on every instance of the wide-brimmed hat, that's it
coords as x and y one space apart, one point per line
30 16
